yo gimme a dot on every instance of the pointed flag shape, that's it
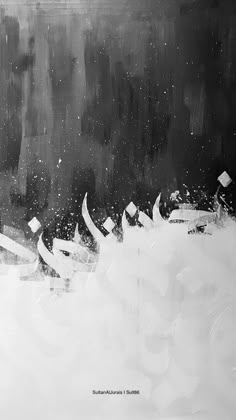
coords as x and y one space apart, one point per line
131 209
224 179
109 224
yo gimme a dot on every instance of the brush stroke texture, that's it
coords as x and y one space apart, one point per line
115 98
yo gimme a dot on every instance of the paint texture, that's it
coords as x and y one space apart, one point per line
116 98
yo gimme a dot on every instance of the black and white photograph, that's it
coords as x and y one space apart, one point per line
117 209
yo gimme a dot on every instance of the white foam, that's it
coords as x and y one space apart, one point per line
158 316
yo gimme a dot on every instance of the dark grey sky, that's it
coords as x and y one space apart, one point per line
125 99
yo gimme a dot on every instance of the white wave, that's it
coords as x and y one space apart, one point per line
157 317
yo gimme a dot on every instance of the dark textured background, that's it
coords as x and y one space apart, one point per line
116 98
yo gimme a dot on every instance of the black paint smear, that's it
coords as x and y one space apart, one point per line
12 136
23 63
198 5
10 105
142 117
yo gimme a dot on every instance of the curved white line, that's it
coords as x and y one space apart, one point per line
16 248
77 236
83 255
22 270
156 215
124 222
75 266
63 265
98 236
145 220
69 246
64 270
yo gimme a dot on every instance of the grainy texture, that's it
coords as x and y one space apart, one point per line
119 98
